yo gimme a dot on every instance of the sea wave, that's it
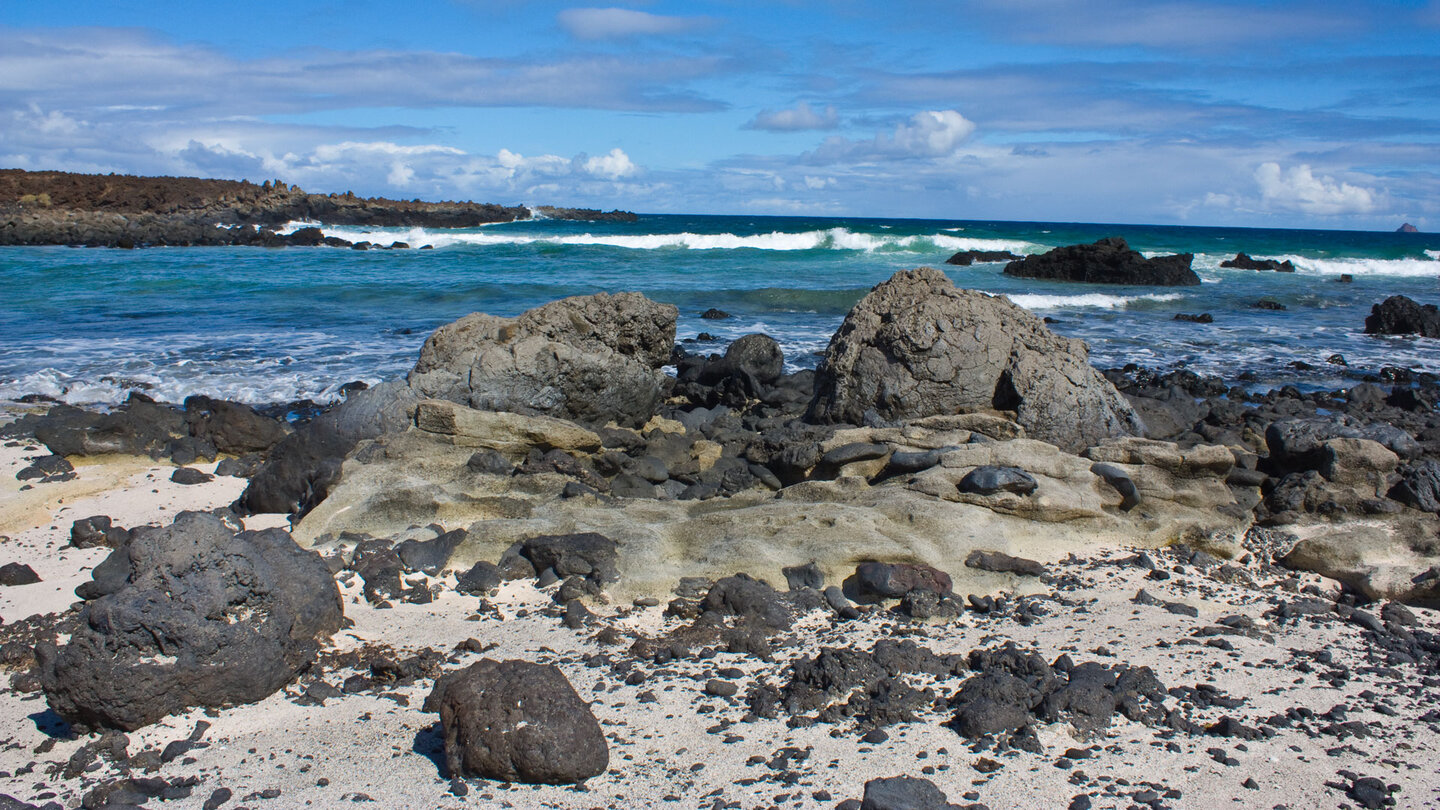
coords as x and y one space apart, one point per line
1088 300
828 239
1434 254
1336 266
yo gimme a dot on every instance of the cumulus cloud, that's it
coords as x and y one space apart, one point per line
614 165
1298 189
798 118
622 23
929 134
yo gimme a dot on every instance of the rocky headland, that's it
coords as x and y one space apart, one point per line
952 566
62 208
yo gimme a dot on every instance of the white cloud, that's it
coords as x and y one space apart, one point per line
929 134
1298 189
800 117
620 23
614 165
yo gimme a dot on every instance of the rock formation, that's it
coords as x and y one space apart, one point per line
190 615
1398 315
1108 261
517 722
591 359
916 346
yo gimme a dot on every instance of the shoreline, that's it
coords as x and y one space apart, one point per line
759 584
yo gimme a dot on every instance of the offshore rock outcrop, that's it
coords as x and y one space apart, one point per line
1107 261
917 346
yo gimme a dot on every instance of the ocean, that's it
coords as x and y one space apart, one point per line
263 326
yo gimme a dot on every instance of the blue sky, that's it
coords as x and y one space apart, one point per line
1205 112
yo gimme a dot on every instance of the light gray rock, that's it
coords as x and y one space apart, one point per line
591 359
917 346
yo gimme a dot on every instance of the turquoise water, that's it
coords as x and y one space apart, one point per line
265 326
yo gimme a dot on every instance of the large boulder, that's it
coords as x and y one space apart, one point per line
1398 315
1108 261
917 346
517 722
591 359
187 615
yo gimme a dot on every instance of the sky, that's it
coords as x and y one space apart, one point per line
1295 114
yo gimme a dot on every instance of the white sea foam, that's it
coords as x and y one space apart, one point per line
1087 300
1334 267
1434 254
829 239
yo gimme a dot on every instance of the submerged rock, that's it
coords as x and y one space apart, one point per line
917 346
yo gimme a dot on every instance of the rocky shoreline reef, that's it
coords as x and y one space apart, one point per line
953 566
62 208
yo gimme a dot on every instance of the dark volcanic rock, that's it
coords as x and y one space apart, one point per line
988 480
232 427
1398 315
1242 261
756 356
894 580
1203 317
916 346
750 599
189 476
306 464
1419 485
965 258
1108 261
517 722
203 617
18 574
903 793
589 555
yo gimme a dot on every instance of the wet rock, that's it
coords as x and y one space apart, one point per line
1107 261
965 258
1398 315
517 722
1243 261
232 427
205 617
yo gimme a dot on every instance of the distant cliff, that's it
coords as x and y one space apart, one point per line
50 208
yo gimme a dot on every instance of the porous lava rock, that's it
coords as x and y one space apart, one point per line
188 615
517 721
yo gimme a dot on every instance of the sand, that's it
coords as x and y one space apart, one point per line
688 749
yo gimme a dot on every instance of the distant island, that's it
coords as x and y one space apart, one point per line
115 210
1407 228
